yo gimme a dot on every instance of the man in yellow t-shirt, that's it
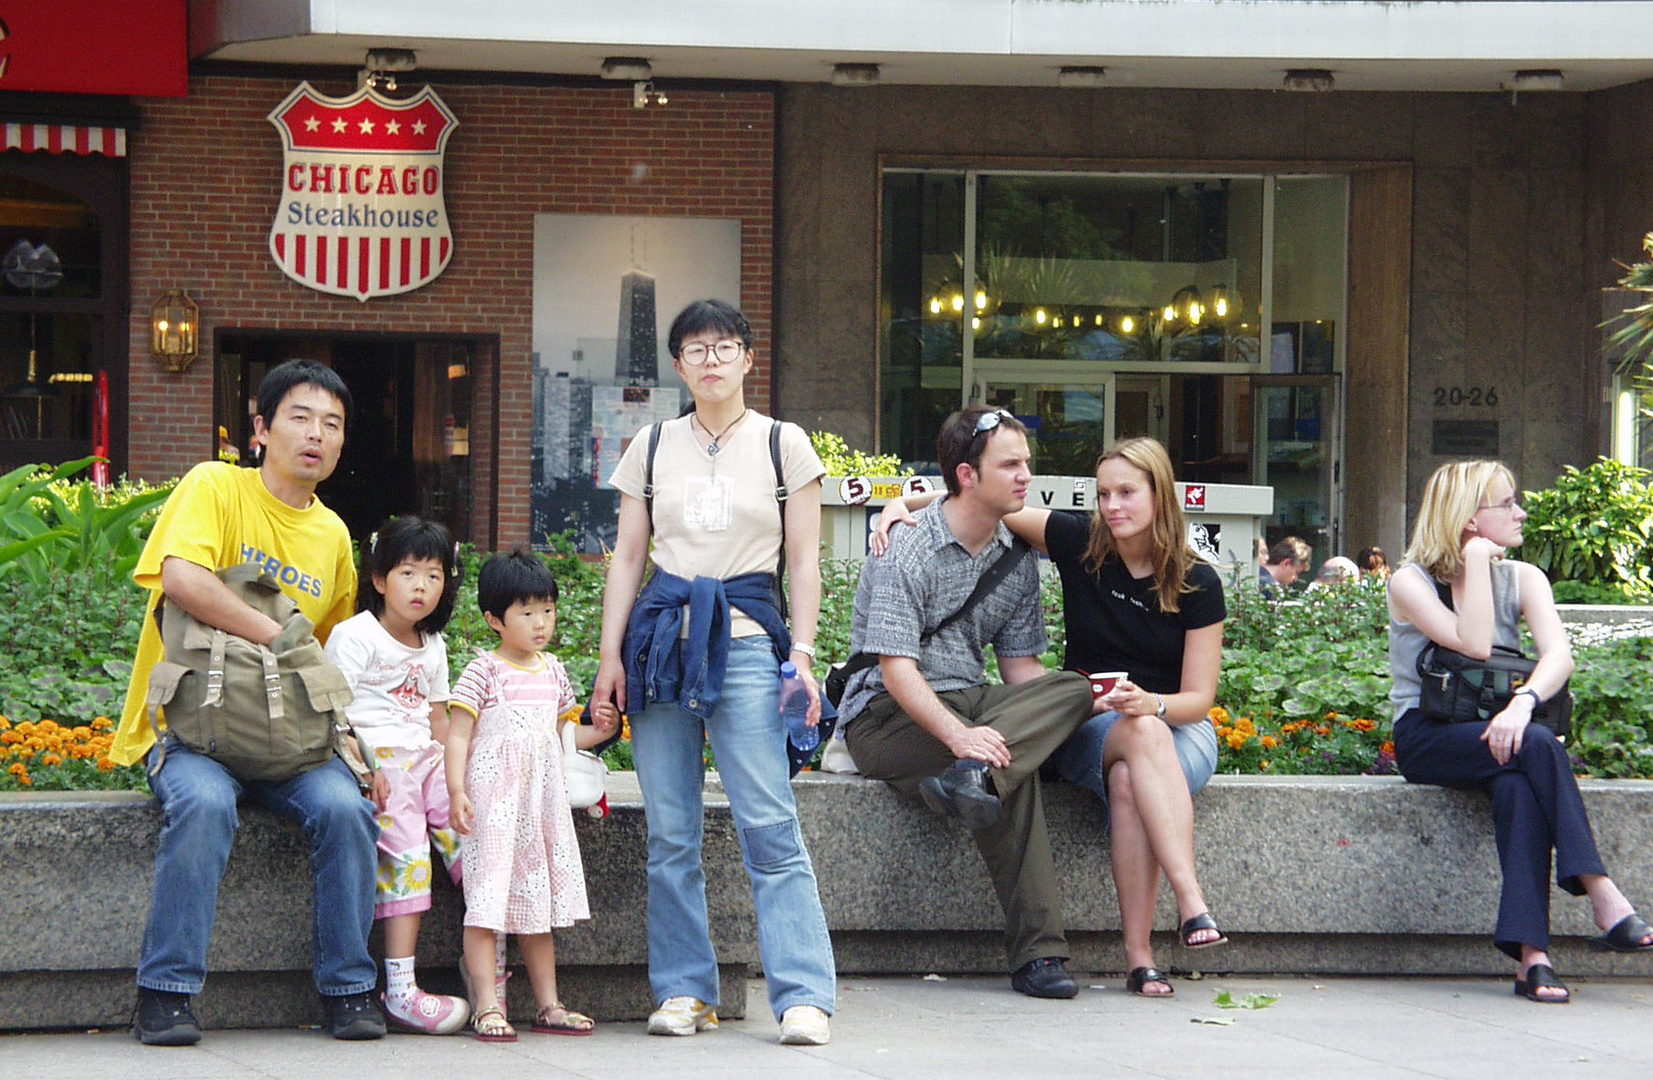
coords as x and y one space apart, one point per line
220 516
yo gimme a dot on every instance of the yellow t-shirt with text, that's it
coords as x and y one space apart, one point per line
219 516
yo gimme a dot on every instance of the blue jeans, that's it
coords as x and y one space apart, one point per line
747 736
198 804
1079 759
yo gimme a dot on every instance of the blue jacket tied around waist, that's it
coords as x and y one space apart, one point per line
692 675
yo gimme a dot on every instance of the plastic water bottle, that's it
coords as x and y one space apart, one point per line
795 707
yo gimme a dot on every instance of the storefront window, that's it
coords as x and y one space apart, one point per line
50 267
1099 306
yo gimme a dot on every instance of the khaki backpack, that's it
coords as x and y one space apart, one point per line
264 712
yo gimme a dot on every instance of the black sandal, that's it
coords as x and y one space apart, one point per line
1202 921
1137 978
1629 934
1542 975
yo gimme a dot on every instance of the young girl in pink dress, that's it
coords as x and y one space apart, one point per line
505 782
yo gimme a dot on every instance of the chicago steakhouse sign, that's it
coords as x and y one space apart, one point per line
361 210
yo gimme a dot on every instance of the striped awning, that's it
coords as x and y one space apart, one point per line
64 139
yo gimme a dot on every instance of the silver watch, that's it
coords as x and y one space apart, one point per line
1160 712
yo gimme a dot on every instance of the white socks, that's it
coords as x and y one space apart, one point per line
399 985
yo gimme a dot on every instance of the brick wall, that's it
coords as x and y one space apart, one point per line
206 181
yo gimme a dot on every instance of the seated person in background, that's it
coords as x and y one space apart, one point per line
1337 570
1288 560
1373 563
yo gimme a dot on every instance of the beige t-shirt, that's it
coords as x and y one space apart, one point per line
718 516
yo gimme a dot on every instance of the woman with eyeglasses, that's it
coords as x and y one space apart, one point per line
1456 589
697 655
1137 599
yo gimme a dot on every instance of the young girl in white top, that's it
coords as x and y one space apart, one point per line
394 657
523 873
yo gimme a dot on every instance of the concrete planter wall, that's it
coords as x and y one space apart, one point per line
1309 874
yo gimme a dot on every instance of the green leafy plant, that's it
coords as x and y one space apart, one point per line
1594 526
1226 1000
50 526
840 460
1612 714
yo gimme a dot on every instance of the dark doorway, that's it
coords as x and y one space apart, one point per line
407 447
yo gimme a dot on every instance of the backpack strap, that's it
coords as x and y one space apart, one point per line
648 472
781 495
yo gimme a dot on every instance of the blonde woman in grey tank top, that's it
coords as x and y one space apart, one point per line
1469 518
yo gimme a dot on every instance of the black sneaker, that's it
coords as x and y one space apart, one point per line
354 1017
164 1019
1046 977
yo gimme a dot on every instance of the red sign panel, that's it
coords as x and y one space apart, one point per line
1193 498
361 210
136 47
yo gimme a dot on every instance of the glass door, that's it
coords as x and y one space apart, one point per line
1297 450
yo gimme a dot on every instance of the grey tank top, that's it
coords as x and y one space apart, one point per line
1407 641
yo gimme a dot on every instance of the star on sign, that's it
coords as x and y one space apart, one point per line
338 125
392 127
367 126
418 127
312 124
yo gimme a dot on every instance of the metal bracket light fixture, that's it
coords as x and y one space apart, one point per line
175 331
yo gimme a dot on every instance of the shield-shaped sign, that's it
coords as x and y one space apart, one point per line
361 210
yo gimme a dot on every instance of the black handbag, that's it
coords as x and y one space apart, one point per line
1463 690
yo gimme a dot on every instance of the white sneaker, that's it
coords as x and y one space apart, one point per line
682 1016
804 1025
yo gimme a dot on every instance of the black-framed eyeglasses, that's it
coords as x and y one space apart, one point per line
727 351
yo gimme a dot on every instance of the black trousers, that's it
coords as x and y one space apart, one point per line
1536 807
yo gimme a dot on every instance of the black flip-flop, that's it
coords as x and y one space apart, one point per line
1202 921
1627 935
1541 975
1138 977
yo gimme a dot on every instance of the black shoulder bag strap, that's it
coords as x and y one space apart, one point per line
648 472
1001 569
781 495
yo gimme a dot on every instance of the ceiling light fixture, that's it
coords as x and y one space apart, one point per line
380 67
854 74
1081 77
627 69
1309 79
1530 79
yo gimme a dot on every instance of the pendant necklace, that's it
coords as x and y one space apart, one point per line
713 449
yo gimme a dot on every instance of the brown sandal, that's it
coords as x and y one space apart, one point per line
558 1019
490 1025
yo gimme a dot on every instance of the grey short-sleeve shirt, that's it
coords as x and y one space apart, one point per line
924 577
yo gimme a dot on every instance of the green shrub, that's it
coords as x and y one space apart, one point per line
840 460
1612 714
1594 527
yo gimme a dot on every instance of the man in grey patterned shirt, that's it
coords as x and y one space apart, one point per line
923 718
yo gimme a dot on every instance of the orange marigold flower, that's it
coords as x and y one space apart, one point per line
35 742
10 738
1236 740
83 732
18 769
1269 742
1388 747
1363 724
51 759
47 727
1265 765
1323 730
102 723
26 728
5 725
1218 714
1331 716
26 780
106 765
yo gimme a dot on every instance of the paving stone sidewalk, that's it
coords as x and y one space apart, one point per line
911 1027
